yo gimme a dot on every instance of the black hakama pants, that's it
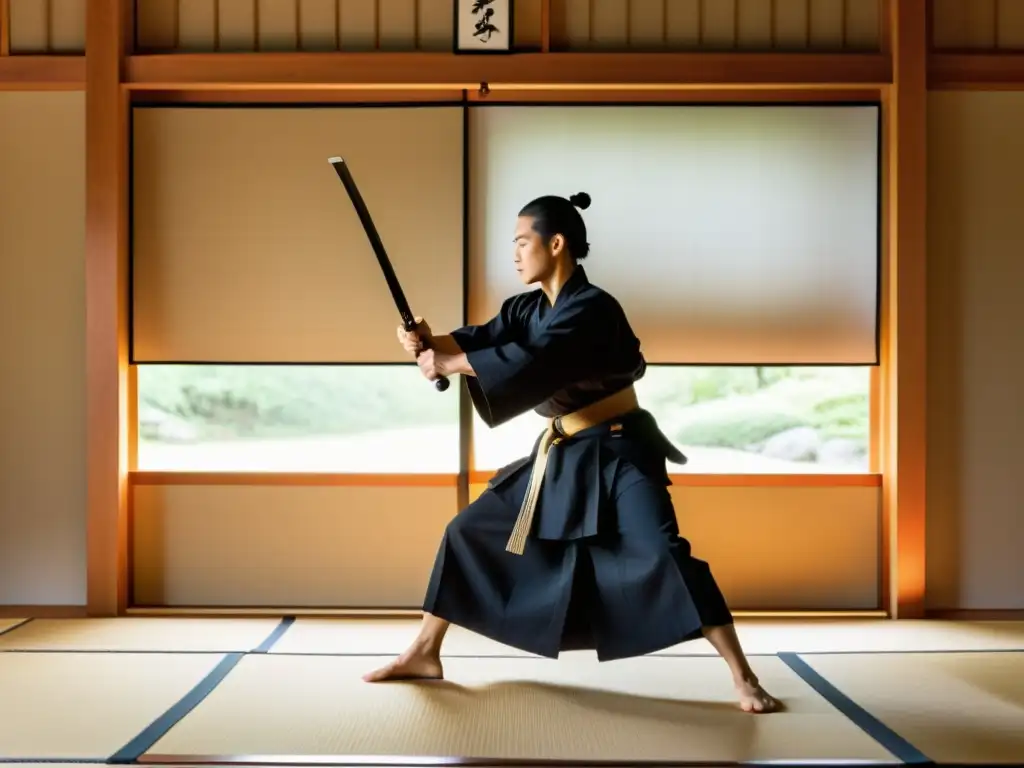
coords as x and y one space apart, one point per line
629 589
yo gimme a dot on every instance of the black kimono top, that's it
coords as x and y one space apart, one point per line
555 360
551 359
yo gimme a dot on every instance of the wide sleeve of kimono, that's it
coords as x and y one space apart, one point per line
497 330
518 375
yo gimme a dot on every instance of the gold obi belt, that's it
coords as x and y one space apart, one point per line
560 428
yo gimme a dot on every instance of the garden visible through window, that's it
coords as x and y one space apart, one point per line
388 419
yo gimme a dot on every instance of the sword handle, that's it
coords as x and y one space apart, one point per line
440 384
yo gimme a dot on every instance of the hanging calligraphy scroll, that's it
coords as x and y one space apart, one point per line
483 26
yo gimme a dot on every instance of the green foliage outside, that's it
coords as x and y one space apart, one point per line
723 407
742 408
227 401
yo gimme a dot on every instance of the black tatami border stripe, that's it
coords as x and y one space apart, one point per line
137 747
13 627
273 637
902 749
45 760
151 734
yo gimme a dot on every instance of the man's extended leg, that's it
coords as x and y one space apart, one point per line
471 585
753 698
652 547
422 660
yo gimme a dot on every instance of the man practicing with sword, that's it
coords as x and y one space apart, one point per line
575 546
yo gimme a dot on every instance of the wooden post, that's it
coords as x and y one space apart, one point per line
904 447
5 27
106 128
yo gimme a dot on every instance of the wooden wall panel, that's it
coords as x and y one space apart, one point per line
609 25
50 26
964 24
1011 25
197 24
286 546
435 26
317 25
748 25
157 24
527 25
396 24
237 26
58 26
863 26
718 24
792 24
67 26
828 23
357 25
978 25
308 25
278 28
754 24
365 547
975 528
42 348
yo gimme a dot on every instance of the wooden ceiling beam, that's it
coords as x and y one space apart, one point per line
976 71
233 71
42 73
382 71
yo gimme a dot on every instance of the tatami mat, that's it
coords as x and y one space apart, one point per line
641 709
139 634
955 708
88 705
392 636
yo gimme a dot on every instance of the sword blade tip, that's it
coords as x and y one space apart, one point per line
334 160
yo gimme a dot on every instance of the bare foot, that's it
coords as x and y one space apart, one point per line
754 698
411 665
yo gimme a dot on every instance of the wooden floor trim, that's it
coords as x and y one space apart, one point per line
415 613
43 611
976 614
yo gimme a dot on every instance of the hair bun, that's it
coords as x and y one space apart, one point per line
581 200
